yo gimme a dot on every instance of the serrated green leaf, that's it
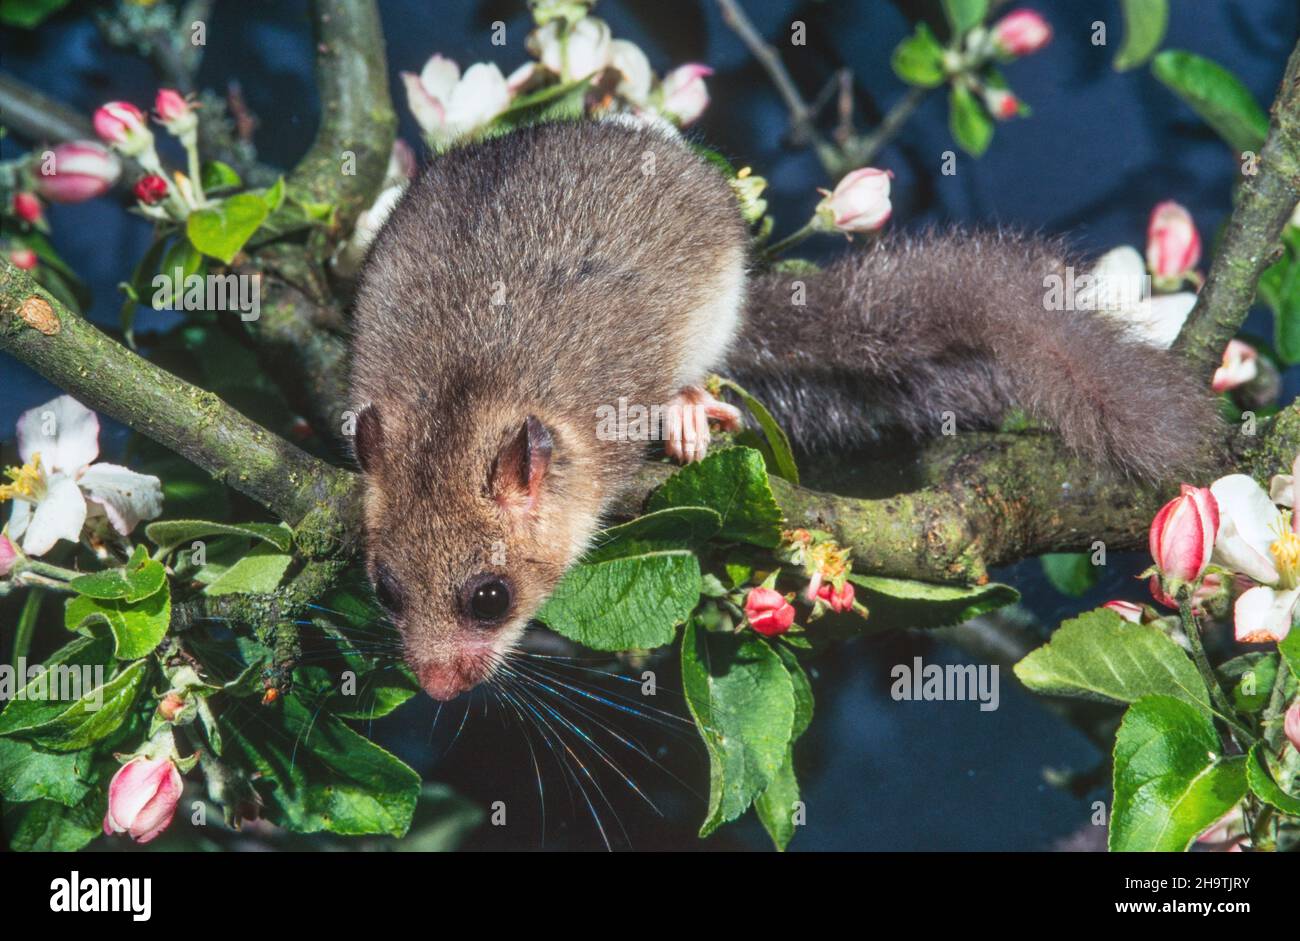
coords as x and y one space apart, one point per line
1145 22
680 527
28 14
1215 94
45 826
903 603
1100 656
138 579
964 15
222 230
782 462
742 699
33 703
1279 287
1263 785
733 483
169 534
1071 573
1171 781
138 628
258 572
970 124
776 806
71 727
918 59
1289 648
29 773
217 176
317 774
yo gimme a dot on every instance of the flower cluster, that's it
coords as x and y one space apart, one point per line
125 128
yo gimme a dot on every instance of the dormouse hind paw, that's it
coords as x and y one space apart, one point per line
686 423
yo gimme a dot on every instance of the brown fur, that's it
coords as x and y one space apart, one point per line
916 326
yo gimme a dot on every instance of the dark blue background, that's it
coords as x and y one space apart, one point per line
1100 149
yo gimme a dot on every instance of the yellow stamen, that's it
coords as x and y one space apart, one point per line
1286 555
27 481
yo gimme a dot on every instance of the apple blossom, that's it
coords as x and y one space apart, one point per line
1173 244
80 170
27 207
684 94
142 798
839 599
121 125
1240 365
635 76
1291 725
448 105
1182 534
174 112
8 555
1258 540
23 258
1120 288
860 202
1022 32
768 612
573 52
58 488
1001 103
150 189
1126 609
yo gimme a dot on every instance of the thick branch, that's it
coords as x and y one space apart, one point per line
356 111
1263 202
196 424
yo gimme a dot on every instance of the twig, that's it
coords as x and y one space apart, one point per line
1263 203
863 150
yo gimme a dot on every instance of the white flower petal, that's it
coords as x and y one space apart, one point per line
1281 489
439 76
1166 314
1263 615
59 515
126 497
72 441
633 65
478 98
1248 524
19 519
428 111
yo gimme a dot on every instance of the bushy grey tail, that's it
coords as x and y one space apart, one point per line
919 327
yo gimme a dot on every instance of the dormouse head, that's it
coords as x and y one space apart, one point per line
467 531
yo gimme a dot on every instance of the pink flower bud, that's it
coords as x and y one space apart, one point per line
768 611
839 601
121 125
1126 609
80 170
170 106
1182 534
8 555
23 258
1001 103
27 207
142 798
1173 244
1240 365
860 203
1291 725
170 706
150 189
1021 32
685 95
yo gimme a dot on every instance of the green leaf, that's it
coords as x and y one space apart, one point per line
1071 573
1171 782
1217 95
222 230
906 603
918 59
38 701
1145 22
48 827
971 125
138 579
169 534
732 482
680 527
628 603
776 805
1279 287
256 573
29 773
28 14
1263 784
1289 648
217 176
1251 678
782 462
1100 656
742 699
964 15
318 774
138 628
94 716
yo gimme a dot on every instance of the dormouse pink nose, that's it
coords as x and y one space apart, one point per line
444 682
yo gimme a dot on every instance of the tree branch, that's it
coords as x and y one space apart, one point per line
1263 203
196 424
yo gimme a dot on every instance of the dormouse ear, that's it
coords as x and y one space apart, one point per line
368 440
521 465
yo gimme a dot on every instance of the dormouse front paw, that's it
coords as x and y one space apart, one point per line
686 423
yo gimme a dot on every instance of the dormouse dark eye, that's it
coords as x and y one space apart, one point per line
387 590
487 599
